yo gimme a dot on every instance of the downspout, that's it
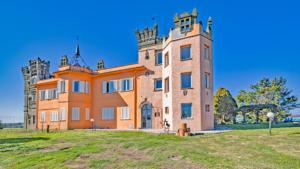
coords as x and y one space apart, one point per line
135 101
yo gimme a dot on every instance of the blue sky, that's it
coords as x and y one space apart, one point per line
252 39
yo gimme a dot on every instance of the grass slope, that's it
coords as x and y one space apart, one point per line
249 146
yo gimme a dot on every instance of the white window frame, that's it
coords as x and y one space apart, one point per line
107 90
108 113
87 114
73 115
54 116
125 113
206 80
62 114
78 86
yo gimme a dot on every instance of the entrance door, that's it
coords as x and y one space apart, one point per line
146 117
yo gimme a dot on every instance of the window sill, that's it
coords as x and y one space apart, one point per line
207 88
166 92
187 118
166 66
62 92
108 119
187 59
125 119
62 120
157 90
207 59
124 91
53 121
187 88
158 64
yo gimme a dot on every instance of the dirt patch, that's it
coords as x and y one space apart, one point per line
76 164
176 157
60 146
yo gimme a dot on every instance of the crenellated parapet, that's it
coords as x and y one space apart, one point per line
185 21
148 37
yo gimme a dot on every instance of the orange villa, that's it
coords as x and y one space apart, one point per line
172 80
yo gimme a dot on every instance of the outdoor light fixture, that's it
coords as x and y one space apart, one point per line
271 117
92 120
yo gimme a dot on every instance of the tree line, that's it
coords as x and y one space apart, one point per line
266 91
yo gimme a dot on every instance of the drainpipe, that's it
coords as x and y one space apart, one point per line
135 100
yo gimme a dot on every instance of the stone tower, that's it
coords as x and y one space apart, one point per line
36 70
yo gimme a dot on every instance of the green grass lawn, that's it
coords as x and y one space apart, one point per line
249 146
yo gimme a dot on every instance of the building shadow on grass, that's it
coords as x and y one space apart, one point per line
21 140
259 126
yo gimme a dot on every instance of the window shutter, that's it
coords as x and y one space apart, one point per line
40 95
115 85
111 113
81 86
46 94
75 113
88 87
207 81
103 113
104 87
122 113
87 114
62 114
131 84
63 86
50 93
73 89
127 112
120 85
59 86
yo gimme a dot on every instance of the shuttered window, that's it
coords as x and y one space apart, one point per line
54 116
61 86
87 115
126 84
43 116
75 113
108 113
125 112
62 113
110 86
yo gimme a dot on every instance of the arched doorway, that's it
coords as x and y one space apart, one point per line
146 117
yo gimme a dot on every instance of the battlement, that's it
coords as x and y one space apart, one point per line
148 38
185 21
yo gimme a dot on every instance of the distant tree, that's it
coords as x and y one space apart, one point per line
268 91
224 106
1 125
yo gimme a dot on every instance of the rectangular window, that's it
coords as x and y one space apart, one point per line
185 52
61 86
205 52
54 116
186 111
88 87
33 119
167 59
166 110
76 86
157 84
207 108
108 113
87 114
75 113
126 85
125 112
206 80
187 28
62 113
55 93
34 97
43 116
42 95
186 80
157 114
167 85
159 58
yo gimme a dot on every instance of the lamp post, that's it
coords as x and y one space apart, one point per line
271 116
92 120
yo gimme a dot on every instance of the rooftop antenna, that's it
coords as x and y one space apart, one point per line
77 58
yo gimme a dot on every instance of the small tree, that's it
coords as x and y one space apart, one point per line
224 106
